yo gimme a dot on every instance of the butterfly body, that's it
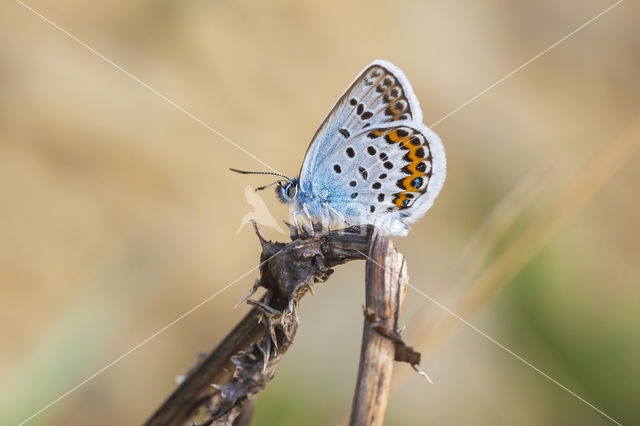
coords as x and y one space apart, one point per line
372 160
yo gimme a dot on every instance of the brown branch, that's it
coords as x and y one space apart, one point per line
218 390
386 276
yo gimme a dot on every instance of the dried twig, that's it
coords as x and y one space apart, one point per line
386 275
217 390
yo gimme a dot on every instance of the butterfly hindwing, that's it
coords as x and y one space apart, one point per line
388 175
380 94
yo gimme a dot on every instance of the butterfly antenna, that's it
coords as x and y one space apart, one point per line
247 172
260 188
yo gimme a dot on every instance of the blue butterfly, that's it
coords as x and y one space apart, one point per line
372 161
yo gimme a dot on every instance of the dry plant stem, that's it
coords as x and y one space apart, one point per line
219 389
196 387
386 276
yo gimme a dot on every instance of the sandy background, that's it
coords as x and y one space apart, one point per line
118 213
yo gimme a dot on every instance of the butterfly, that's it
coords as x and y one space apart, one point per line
371 161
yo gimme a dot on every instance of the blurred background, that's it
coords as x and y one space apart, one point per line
118 212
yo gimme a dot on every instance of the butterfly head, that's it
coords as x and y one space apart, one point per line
287 191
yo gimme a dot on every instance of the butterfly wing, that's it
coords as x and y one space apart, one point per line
380 94
388 175
372 161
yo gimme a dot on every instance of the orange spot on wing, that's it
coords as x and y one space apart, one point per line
414 160
393 136
401 198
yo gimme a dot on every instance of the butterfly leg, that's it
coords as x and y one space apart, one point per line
295 220
306 211
325 206
299 226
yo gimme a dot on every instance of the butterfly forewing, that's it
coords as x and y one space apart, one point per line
380 94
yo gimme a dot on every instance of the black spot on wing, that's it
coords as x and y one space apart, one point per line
363 172
415 141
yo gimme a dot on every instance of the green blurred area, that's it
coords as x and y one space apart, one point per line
118 212
581 337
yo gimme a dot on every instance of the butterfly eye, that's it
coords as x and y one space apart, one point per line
291 190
